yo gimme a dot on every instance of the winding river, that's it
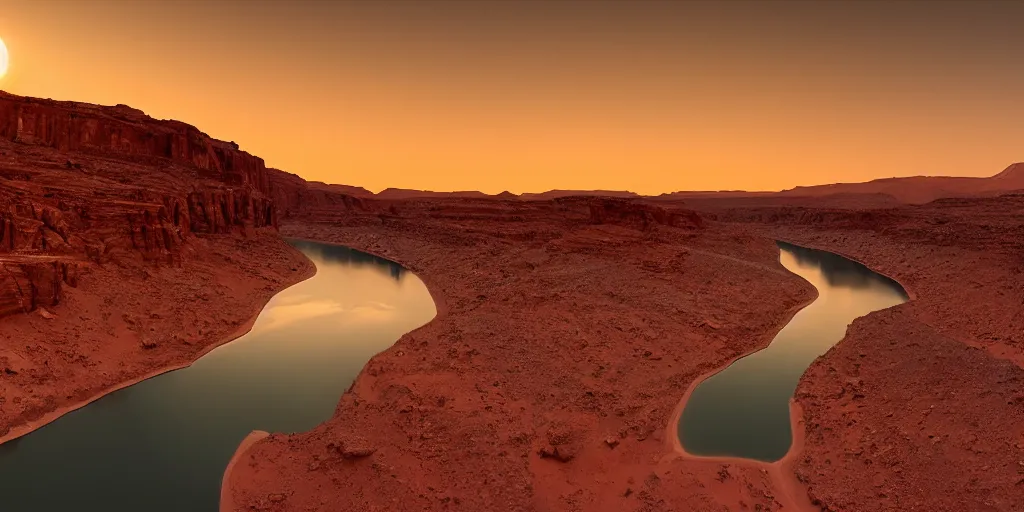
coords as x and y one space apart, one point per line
743 410
163 444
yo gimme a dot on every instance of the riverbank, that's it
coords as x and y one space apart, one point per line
226 499
235 279
828 283
564 350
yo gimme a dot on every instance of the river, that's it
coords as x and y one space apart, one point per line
743 410
162 445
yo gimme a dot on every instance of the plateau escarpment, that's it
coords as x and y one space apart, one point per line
295 197
114 228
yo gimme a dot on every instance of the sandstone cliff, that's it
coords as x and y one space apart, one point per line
83 183
295 196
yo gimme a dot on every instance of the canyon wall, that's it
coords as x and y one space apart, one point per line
124 131
296 197
83 184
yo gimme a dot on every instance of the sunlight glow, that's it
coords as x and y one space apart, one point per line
3 59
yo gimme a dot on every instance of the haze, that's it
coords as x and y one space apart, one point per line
531 96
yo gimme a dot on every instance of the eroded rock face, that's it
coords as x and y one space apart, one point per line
296 197
83 184
26 286
640 215
121 130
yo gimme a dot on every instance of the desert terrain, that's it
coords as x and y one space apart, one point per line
896 417
569 329
567 333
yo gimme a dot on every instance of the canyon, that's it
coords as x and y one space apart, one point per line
569 326
570 330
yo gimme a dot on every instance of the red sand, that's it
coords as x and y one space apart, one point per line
226 502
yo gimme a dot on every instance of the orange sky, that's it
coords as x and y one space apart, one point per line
529 96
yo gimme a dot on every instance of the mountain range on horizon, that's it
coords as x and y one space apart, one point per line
907 190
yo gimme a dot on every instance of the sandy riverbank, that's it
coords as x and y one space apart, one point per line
226 500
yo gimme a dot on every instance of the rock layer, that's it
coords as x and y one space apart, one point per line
83 184
127 245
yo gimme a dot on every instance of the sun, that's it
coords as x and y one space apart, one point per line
3 59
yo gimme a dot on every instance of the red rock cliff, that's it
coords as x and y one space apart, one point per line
126 132
295 196
84 184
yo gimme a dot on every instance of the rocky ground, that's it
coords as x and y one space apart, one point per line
567 333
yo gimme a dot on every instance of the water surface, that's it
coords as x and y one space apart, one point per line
743 411
162 445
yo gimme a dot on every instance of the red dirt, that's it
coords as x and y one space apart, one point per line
127 246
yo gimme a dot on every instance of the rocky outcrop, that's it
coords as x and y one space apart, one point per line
797 215
556 194
125 132
639 215
294 196
84 184
923 189
28 285
405 193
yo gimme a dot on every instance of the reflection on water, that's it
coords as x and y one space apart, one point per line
163 444
352 258
743 411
